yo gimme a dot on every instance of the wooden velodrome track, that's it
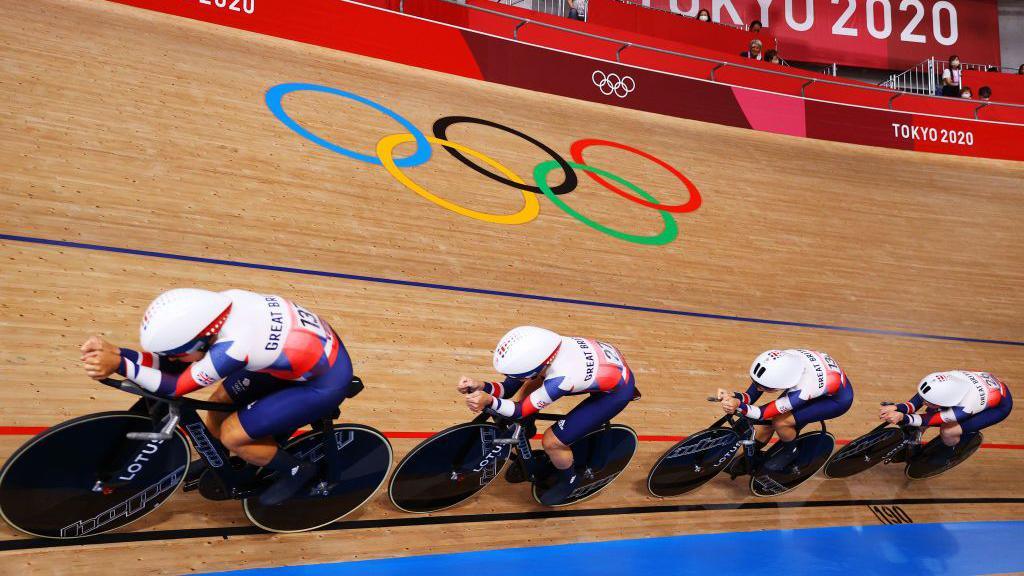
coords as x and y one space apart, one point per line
139 131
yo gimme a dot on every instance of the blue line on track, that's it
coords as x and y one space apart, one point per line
501 293
904 549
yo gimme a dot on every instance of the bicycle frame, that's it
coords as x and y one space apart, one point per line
181 413
521 441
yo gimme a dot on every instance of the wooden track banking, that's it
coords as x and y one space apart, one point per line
135 130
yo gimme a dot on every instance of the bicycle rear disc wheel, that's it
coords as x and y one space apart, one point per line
606 452
864 452
813 450
920 468
693 462
46 486
448 468
366 458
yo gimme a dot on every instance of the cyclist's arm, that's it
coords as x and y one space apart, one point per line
791 401
168 365
539 398
911 406
937 418
505 389
218 363
787 403
750 396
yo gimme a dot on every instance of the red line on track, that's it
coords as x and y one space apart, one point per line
32 430
21 430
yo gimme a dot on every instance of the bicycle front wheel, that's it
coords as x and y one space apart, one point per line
49 487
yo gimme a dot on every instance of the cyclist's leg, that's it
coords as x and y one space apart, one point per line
586 417
251 430
239 389
296 405
789 425
952 432
823 408
763 434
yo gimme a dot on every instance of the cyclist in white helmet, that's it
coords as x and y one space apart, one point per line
551 366
282 363
958 402
813 388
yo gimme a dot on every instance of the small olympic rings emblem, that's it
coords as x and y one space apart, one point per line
531 191
612 83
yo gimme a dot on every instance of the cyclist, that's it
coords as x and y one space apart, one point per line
548 366
958 402
813 388
282 363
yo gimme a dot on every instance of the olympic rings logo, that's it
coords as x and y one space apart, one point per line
384 157
612 83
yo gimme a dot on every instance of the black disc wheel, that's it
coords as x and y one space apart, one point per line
693 462
365 459
925 465
84 477
448 468
600 457
864 452
813 450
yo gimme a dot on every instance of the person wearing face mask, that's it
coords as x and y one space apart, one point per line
965 92
951 77
704 15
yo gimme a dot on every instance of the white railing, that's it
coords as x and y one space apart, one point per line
554 7
924 78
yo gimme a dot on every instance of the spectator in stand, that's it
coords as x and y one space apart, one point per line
755 26
965 92
951 77
1020 71
772 55
578 9
985 93
704 15
992 69
754 51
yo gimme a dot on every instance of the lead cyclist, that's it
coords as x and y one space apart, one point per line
282 363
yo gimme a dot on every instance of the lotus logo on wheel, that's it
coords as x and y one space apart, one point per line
612 83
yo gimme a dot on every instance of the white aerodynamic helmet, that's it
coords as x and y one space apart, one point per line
944 388
183 320
777 369
525 350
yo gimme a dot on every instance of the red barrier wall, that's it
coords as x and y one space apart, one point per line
1005 87
668 26
379 33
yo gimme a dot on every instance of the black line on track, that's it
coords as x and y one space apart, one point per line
224 533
